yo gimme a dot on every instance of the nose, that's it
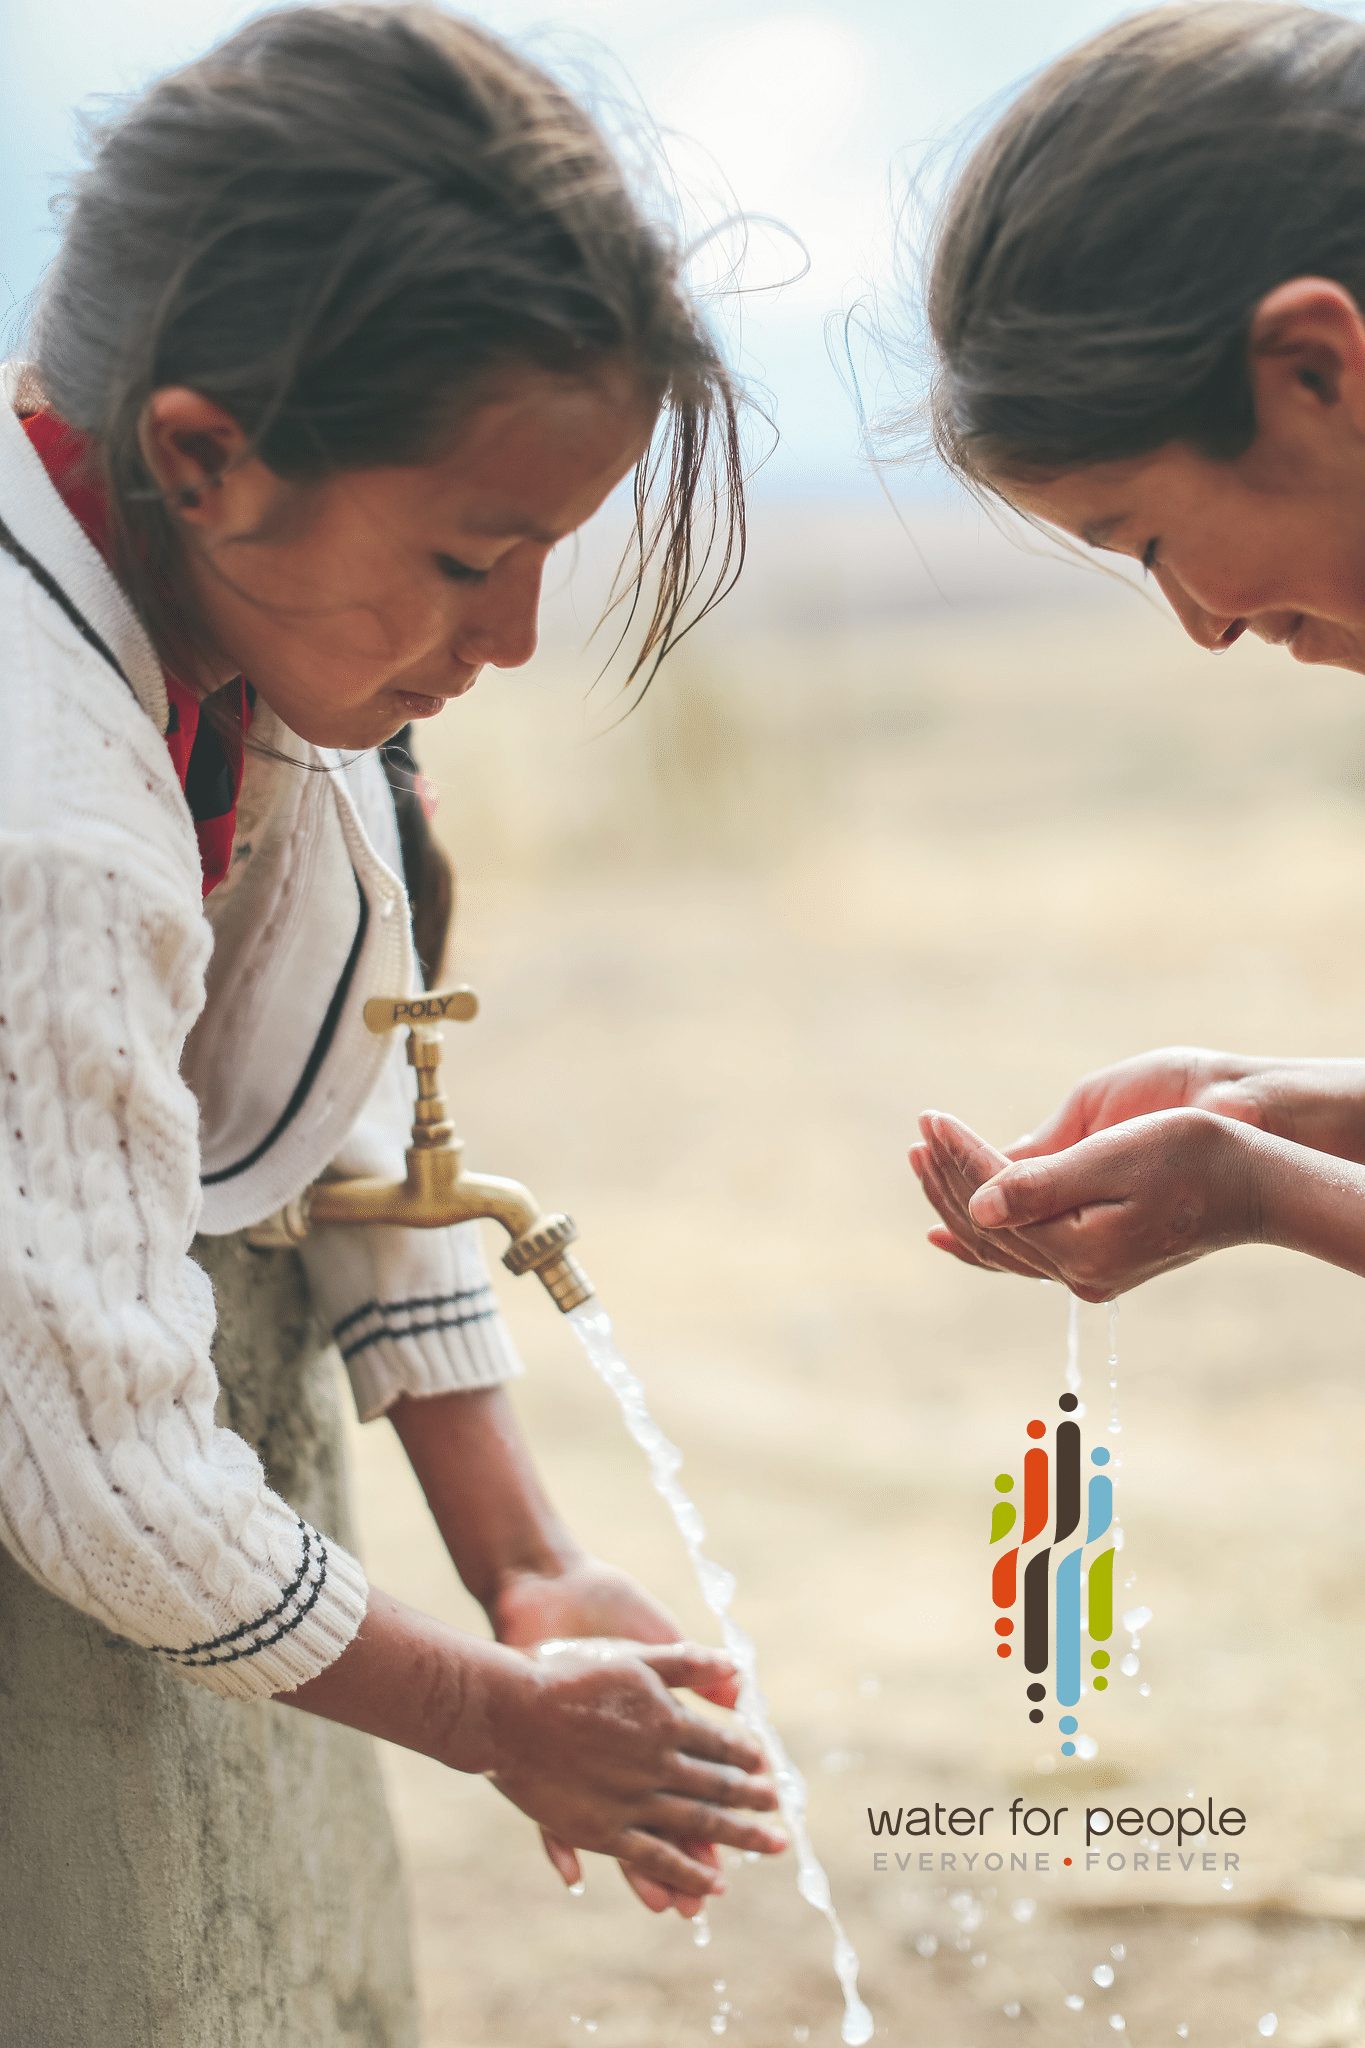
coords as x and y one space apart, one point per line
500 625
1206 629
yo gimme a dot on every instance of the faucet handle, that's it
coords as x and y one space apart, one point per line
437 1006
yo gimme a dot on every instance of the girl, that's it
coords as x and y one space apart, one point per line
1145 305
352 322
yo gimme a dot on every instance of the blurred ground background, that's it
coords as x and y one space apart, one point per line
865 847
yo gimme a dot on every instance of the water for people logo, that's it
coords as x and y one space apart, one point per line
1054 1602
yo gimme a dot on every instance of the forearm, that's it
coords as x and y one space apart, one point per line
1309 1201
483 1489
419 1684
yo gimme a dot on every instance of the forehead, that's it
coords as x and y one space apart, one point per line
533 457
1098 502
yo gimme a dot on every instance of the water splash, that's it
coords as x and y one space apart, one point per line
1115 1426
592 1326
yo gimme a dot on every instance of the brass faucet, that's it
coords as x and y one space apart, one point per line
437 1191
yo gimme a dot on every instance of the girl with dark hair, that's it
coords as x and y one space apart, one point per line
1145 303
352 321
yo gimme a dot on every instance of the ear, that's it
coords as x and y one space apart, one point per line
1306 351
191 446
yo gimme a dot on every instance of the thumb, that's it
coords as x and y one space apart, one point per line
1036 1190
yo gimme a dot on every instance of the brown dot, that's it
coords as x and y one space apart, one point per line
1036 1714
1068 1402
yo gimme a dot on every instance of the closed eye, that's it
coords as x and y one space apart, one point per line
458 572
1149 557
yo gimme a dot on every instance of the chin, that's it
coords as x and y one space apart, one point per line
1320 645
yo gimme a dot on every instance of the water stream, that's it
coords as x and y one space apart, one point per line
592 1327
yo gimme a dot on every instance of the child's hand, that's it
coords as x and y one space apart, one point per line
601 1754
1314 1102
1103 1215
589 1598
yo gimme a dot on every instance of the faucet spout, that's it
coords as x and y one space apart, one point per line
436 1191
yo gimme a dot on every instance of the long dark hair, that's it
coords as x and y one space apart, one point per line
333 225
1095 269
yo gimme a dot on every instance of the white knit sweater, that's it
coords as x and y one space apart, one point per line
117 1491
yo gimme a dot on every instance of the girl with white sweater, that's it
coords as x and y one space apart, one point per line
352 321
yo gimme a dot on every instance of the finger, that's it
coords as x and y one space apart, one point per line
660 1898
563 1858
688 1664
721 1786
1033 1191
999 1252
689 1820
968 1151
724 1692
944 1241
668 1864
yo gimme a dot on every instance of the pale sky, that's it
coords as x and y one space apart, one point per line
802 108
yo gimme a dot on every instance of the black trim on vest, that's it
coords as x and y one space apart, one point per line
321 1045
46 581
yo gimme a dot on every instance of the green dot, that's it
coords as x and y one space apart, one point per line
1004 1483
1099 1659
1101 1684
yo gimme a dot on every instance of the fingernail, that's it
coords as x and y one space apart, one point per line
988 1207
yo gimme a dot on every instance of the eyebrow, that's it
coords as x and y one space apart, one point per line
1096 532
508 525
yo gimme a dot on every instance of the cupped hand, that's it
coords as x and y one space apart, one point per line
1314 1102
1103 1215
599 1752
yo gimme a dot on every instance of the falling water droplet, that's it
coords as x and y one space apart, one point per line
718 2023
1183 2031
1135 1618
927 1945
1267 2024
719 1984
1073 1344
1129 1666
1145 1690
1011 2011
1023 1910
800 2033
577 1889
1074 2002
1103 1975
1118 1952
1117 2022
701 1930
1227 1884
589 2026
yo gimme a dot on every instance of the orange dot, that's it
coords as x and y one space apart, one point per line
1066 1859
1037 1429
1005 1627
1002 1649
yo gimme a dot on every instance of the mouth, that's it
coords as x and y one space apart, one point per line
423 704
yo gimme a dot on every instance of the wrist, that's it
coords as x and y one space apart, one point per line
498 1687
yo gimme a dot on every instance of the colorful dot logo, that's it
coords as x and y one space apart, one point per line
1045 1569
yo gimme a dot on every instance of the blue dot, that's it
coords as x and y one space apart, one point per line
1068 1749
1067 1724
1099 1457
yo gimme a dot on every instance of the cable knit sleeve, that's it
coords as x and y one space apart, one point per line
117 1491
412 1311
